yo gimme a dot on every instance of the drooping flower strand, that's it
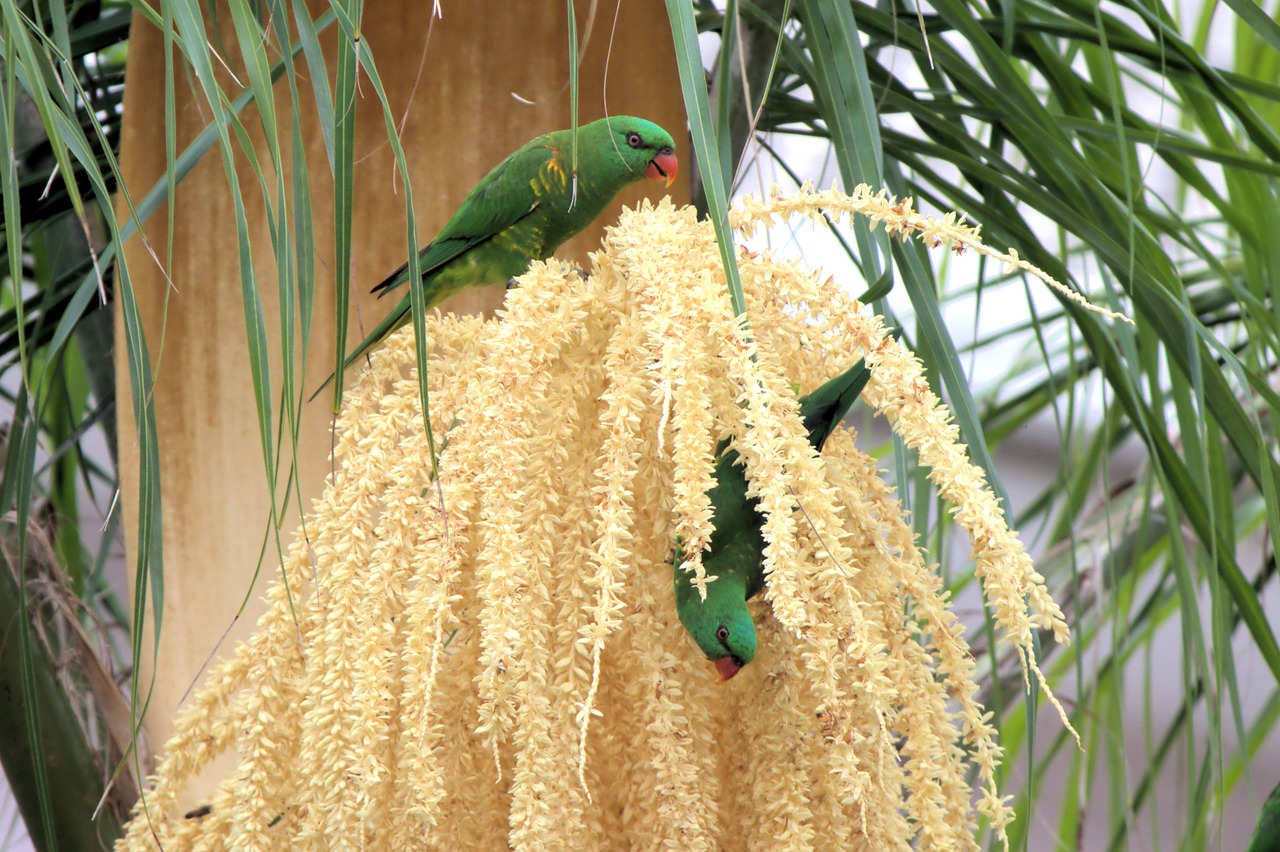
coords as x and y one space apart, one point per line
916 610
614 511
900 220
898 390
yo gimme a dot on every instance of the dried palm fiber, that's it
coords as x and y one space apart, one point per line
494 657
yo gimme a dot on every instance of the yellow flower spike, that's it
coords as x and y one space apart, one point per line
614 509
775 744
876 512
335 751
494 658
499 440
899 220
663 757
692 444
202 731
532 609
431 617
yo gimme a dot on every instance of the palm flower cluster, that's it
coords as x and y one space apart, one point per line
493 656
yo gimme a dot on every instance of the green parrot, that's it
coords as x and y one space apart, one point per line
1266 836
721 624
528 206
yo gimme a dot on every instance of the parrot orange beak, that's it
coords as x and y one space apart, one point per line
727 666
665 165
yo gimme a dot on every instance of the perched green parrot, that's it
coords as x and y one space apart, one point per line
528 206
721 624
1266 836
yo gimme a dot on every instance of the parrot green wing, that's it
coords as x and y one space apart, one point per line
504 197
823 409
1266 835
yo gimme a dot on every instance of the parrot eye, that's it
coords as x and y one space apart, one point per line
633 139
722 633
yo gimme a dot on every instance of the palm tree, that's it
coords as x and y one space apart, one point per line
1098 140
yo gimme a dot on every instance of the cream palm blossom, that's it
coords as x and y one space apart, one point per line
494 657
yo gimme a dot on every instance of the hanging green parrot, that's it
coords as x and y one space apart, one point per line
1266 836
528 206
721 624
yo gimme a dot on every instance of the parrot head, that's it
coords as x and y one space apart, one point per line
644 147
721 625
